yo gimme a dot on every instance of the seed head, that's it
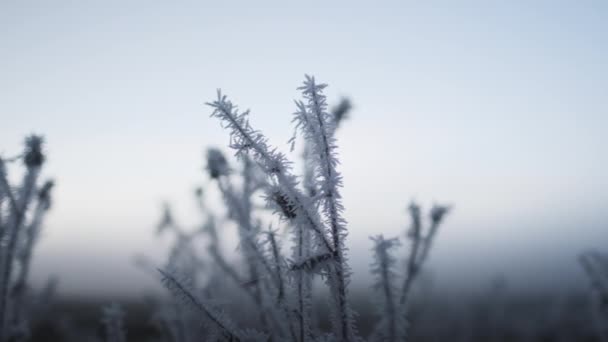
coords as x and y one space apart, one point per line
216 163
33 156
341 110
414 210
438 212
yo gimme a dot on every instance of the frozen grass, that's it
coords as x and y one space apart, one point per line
279 286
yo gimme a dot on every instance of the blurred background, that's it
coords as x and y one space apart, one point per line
498 109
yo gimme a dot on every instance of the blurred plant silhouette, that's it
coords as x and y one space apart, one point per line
22 211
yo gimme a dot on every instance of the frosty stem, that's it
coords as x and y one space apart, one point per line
19 207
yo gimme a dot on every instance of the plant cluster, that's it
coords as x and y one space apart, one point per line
22 211
279 267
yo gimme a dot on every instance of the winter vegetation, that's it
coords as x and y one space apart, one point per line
23 207
289 278
278 267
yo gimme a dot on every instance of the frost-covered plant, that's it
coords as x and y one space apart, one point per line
185 259
421 242
279 287
174 321
317 126
392 304
392 324
219 326
22 211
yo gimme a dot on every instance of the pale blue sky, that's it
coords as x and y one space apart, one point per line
497 107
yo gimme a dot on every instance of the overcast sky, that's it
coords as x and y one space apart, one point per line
498 109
